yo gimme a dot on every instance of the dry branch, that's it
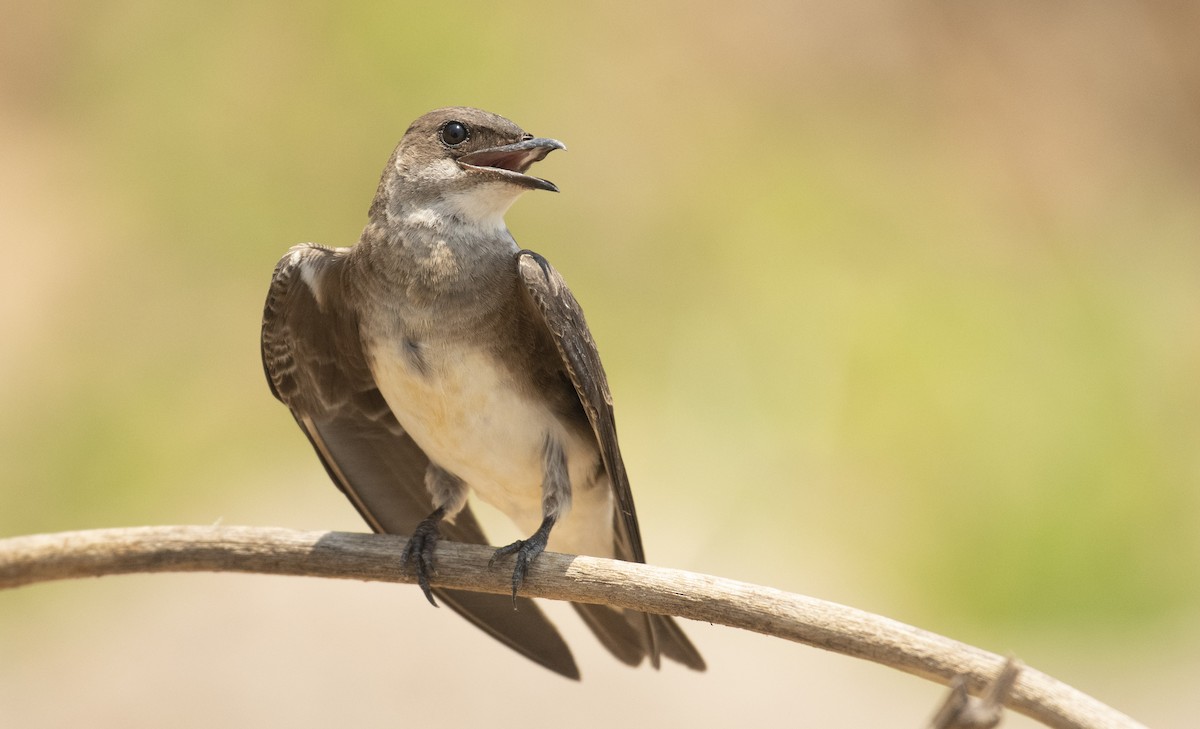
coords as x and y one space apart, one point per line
41 558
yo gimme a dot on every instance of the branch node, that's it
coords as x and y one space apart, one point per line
961 711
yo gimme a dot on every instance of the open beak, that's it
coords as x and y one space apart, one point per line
511 160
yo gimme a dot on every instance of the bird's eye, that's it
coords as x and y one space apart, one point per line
455 133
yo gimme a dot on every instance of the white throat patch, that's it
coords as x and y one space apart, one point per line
484 204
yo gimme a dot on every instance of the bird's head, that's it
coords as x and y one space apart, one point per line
461 162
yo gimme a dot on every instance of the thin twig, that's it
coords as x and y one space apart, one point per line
41 558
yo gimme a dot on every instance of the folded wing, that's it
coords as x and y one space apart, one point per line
628 635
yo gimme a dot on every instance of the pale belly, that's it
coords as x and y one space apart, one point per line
465 413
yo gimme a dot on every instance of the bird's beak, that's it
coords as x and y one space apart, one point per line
511 160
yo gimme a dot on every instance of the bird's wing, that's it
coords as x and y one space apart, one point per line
630 635
563 317
315 365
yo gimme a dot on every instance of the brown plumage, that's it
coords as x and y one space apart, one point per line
435 358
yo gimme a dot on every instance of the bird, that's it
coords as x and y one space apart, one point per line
435 359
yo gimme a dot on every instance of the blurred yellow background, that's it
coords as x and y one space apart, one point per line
900 304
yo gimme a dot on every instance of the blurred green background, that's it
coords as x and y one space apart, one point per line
900 304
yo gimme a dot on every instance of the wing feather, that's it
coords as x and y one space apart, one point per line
563 318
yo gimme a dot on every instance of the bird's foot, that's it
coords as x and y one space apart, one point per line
419 551
526 550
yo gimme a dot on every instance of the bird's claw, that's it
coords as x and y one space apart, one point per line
526 550
419 551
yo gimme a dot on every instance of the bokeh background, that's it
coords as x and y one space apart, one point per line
900 303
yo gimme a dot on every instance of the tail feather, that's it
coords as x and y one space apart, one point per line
632 636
